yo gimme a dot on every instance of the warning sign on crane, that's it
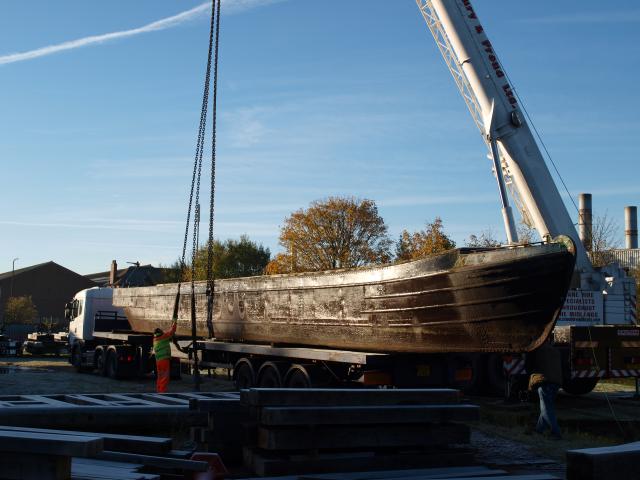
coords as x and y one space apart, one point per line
582 307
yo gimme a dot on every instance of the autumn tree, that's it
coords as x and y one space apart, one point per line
484 239
527 233
430 241
230 259
19 310
635 273
338 232
604 237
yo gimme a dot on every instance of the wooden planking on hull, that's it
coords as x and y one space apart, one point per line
502 299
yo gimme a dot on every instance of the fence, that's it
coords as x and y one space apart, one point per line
625 257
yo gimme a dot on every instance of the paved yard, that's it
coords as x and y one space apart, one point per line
52 375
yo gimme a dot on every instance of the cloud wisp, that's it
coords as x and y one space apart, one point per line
588 17
229 7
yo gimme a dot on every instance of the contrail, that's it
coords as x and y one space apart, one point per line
229 7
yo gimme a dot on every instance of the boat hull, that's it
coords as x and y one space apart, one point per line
494 300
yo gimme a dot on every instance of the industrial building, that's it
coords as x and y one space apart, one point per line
50 286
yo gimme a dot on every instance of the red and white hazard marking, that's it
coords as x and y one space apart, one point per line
513 366
625 373
588 373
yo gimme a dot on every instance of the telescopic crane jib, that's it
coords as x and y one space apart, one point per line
491 99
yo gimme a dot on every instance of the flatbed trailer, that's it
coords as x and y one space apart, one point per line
589 353
273 366
45 344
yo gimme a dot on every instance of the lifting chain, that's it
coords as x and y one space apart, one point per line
210 279
194 194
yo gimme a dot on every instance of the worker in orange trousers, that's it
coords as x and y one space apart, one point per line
162 351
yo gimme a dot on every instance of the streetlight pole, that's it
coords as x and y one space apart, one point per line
13 269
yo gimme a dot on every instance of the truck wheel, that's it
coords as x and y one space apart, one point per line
244 375
99 361
76 360
269 376
112 365
579 386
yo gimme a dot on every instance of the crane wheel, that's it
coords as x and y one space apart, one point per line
579 386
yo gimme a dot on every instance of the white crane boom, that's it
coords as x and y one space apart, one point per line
493 105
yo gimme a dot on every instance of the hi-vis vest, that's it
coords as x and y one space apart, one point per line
162 347
162 344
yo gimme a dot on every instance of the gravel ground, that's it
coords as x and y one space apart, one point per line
509 447
498 449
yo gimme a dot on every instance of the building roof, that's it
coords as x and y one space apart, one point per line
134 276
19 271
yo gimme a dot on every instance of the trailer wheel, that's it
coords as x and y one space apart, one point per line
99 361
112 365
269 376
244 375
579 386
297 377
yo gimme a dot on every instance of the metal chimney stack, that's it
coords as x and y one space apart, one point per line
631 227
113 272
585 220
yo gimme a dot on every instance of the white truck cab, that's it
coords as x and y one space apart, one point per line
82 310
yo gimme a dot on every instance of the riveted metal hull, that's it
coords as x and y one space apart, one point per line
492 300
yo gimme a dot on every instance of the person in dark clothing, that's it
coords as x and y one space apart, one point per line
546 379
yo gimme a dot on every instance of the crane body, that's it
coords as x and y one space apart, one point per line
486 88
500 119
520 168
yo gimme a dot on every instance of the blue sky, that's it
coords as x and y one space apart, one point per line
315 99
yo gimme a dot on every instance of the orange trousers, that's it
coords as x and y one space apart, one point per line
163 373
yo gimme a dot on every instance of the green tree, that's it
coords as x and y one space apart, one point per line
20 310
430 241
231 259
337 232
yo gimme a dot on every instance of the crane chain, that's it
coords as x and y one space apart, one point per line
197 164
210 279
195 192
